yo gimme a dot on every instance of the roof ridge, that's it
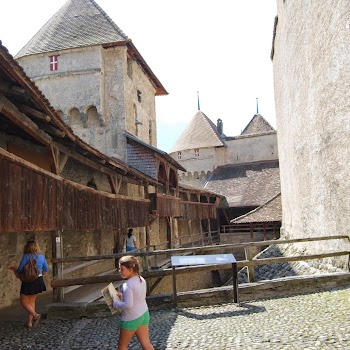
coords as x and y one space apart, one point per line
108 18
78 23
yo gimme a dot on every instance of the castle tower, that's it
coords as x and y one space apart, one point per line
94 77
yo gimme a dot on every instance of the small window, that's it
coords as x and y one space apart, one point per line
139 93
53 63
196 152
178 155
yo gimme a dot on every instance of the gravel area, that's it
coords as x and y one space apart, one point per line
309 321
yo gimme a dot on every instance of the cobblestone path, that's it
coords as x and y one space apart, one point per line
310 321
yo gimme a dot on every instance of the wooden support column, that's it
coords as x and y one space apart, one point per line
176 232
249 257
57 269
209 232
189 224
251 232
265 231
170 232
201 231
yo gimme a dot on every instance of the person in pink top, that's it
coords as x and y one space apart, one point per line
135 315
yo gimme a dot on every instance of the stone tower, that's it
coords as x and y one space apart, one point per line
94 76
312 73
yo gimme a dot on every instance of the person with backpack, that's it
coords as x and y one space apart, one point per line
30 290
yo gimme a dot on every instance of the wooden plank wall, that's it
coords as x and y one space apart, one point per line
198 211
33 200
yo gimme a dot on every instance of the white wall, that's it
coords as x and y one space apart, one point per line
312 93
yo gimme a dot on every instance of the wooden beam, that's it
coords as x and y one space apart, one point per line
115 183
54 155
12 113
34 113
63 162
53 131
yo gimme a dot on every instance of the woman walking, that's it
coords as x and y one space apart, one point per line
135 314
130 241
30 290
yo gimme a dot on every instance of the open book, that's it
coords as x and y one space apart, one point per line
109 294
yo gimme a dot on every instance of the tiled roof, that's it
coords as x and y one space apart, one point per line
151 150
257 125
268 212
246 185
201 132
78 23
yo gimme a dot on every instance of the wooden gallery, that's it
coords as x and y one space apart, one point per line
74 200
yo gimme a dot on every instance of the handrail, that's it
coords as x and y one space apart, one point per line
251 262
197 249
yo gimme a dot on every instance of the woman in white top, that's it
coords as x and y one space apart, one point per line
130 241
135 314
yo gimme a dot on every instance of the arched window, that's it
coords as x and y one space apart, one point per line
92 116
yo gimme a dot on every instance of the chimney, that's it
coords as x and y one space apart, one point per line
219 127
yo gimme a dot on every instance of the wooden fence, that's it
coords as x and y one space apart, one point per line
60 282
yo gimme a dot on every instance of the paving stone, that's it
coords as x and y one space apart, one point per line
309 321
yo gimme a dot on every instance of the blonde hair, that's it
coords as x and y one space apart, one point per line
130 262
31 247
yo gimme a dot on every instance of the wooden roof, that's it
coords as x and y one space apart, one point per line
246 185
270 211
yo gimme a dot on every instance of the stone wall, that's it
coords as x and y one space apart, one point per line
252 148
94 93
312 73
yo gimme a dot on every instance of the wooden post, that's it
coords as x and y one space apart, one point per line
265 231
251 232
201 231
57 269
176 233
209 232
189 223
235 282
174 287
249 257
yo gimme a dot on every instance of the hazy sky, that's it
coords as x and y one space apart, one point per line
219 48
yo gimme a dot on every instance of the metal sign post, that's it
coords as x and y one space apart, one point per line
217 259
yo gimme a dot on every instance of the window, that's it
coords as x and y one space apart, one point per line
53 62
178 155
139 95
196 152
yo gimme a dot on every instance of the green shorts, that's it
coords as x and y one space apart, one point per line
135 324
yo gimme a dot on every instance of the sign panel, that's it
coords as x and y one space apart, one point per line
203 259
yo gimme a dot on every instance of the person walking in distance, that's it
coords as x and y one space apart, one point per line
131 243
132 304
30 290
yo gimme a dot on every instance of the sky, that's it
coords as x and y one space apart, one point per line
217 51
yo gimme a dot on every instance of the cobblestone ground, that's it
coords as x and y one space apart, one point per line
309 321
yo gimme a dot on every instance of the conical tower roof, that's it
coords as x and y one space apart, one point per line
201 132
78 23
257 125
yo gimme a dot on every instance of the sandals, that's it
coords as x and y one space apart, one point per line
36 321
29 325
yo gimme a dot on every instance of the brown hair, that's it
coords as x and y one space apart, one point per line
31 247
130 262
